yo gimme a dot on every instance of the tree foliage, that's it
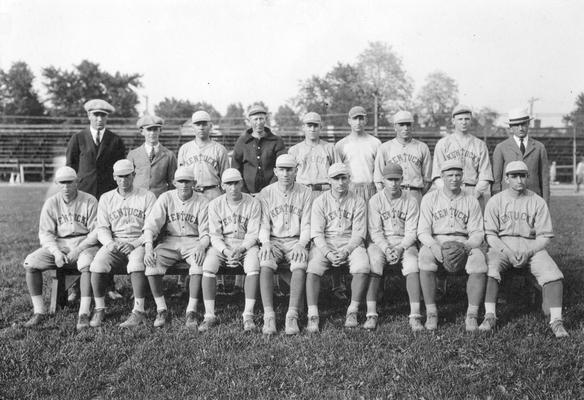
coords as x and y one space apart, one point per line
235 115
436 99
577 115
172 108
17 94
286 117
69 90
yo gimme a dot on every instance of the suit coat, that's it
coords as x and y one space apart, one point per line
156 176
94 165
535 158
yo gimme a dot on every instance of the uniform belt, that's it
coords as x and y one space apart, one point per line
408 187
469 184
201 189
320 186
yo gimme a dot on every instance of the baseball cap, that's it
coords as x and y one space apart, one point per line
149 120
98 105
338 169
461 109
64 174
401 117
392 170
312 117
231 175
515 167
123 167
256 109
286 161
184 173
451 164
200 116
518 116
356 111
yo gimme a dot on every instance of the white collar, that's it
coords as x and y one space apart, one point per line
149 147
519 142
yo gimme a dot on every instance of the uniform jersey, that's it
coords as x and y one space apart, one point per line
414 158
61 220
234 222
208 161
171 216
524 216
441 215
392 218
122 217
314 161
470 151
358 152
344 218
285 215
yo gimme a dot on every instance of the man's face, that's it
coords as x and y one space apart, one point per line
520 130
462 122
68 189
452 179
185 187
151 134
233 189
285 175
97 119
257 122
124 182
311 131
358 123
392 185
517 181
340 183
403 130
202 129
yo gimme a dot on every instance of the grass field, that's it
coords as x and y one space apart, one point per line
521 360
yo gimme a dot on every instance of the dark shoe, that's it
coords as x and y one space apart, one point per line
161 319
97 319
134 320
35 320
82 322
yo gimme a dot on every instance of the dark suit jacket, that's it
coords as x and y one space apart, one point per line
535 158
94 165
156 176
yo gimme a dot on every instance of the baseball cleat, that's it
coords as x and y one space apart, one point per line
82 322
416 324
97 319
471 324
191 320
248 324
292 325
351 320
371 323
489 323
208 323
114 295
73 295
313 323
431 322
558 328
134 320
35 320
269 325
161 319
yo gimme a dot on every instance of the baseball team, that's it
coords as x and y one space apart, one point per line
358 205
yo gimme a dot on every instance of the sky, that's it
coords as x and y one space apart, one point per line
501 53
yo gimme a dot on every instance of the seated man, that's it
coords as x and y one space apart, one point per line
284 235
67 236
518 228
392 221
234 221
120 221
338 226
179 221
450 214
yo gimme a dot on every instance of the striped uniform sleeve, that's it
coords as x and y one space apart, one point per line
359 224
305 218
438 158
318 224
375 224
104 228
475 228
253 225
223 162
48 226
484 169
156 220
425 221
265 222
149 202
411 225
491 217
426 163
215 225
543 221
203 218
91 209
379 164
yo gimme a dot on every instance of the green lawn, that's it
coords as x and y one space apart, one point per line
520 360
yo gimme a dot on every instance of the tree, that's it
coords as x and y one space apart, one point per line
174 108
69 90
436 99
578 113
16 92
235 115
215 115
286 117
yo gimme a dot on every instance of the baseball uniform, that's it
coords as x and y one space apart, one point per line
313 163
359 152
208 161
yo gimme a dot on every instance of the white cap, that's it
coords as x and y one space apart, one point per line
200 116
231 175
338 169
286 161
184 173
65 174
123 167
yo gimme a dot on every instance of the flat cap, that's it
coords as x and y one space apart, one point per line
65 174
516 167
461 109
518 116
200 116
231 175
256 109
402 117
451 164
286 161
338 169
357 111
184 173
149 120
98 105
392 170
123 167
312 118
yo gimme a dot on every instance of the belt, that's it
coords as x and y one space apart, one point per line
201 189
469 184
320 186
408 187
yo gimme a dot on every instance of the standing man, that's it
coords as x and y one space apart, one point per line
120 222
179 221
284 236
207 158
579 174
412 155
392 221
255 152
67 236
358 150
520 147
519 228
338 226
470 151
450 214
154 163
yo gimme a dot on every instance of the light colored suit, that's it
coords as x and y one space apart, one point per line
156 176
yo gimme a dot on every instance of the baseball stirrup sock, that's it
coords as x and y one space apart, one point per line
138 305
84 305
38 305
193 303
99 303
160 303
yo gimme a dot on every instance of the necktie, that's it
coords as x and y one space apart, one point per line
97 140
521 146
151 155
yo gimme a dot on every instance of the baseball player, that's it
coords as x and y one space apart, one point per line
358 150
392 220
470 151
411 154
284 236
234 221
338 226
120 220
450 214
179 220
67 236
518 228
